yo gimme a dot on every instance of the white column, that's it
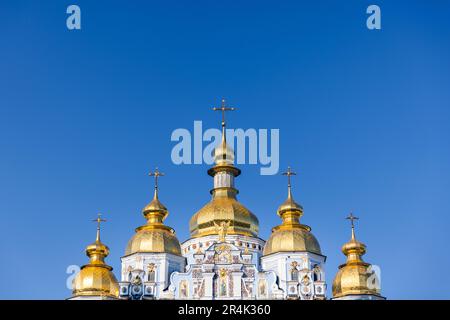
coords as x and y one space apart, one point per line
223 180
208 286
237 283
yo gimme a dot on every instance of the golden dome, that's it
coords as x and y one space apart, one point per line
96 278
289 205
155 205
354 277
154 236
96 281
292 240
154 240
291 235
224 207
223 153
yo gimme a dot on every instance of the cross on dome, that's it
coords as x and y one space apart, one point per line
289 173
352 219
223 108
99 220
156 174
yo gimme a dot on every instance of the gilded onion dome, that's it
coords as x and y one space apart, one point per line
291 235
354 277
96 278
224 206
154 236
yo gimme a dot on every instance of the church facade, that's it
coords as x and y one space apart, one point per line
224 258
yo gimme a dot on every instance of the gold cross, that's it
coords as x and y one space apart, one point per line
352 219
99 220
156 174
289 173
224 109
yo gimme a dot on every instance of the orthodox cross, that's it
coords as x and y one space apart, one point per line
156 174
99 220
289 173
352 219
224 109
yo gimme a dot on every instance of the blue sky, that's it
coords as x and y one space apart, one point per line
363 118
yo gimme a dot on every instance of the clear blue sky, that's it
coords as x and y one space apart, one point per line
364 119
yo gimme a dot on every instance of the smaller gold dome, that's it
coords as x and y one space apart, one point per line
355 276
223 153
154 240
291 235
290 205
155 206
96 278
292 240
97 248
154 236
354 247
352 279
292 208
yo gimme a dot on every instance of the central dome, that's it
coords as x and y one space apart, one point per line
223 209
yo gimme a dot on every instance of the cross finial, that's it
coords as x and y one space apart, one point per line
352 219
156 174
99 220
223 108
289 173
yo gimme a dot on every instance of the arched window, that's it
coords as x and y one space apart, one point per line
151 276
316 273
294 274
151 272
